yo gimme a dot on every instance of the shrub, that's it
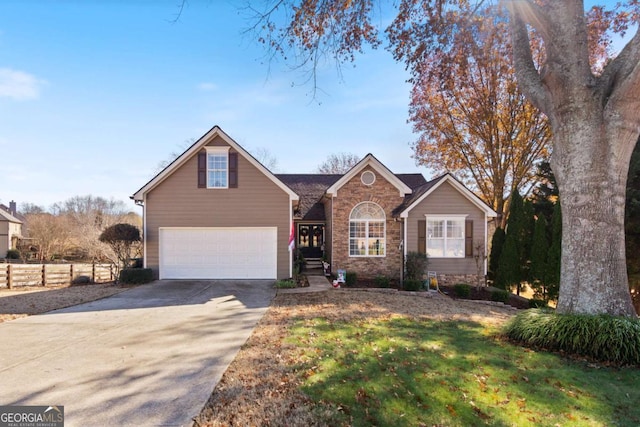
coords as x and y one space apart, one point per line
500 296
285 284
537 303
604 338
350 278
136 276
461 290
382 281
412 285
81 280
13 254
298 262
121 238
415 266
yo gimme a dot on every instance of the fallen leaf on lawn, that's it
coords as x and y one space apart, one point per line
451 410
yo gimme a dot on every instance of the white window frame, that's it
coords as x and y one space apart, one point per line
222 152
366 222
445 239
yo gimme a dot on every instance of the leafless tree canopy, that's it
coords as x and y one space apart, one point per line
338 163
70 229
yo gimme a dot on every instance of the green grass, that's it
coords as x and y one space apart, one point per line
403 372
609 339
285 284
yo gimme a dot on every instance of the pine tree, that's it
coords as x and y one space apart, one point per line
545 194
632 226
552 279
508 268
539 250
526 239
510 265
497 244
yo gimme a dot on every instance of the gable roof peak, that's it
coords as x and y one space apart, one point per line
425 190
371 161
211 134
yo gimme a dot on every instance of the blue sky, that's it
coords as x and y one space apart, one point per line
94 94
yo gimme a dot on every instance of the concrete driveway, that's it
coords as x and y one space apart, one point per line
149 356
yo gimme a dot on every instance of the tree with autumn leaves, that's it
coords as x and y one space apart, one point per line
470 117
591 105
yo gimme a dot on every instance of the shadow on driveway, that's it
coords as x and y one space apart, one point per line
148 356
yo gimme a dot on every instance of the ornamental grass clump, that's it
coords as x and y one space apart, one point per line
604 338
285 284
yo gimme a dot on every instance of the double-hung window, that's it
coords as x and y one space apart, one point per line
367 234
217 167
445 236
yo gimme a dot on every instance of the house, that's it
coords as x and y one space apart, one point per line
10 228
216 212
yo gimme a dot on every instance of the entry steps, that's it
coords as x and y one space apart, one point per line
314 267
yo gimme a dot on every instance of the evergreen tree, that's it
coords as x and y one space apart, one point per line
526 239
497 243
632 226
545 194
510 265
552 279
539 250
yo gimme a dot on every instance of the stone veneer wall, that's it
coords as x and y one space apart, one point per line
452 279
354 192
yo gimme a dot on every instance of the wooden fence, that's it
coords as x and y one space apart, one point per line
16 275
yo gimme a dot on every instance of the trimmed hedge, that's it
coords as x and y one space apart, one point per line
603 338
13 254
136 276
500 296
351 278
462 290
382 281
413 285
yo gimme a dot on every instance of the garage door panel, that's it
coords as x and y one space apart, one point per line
218 253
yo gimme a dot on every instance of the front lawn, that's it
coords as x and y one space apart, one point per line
357 358
401 371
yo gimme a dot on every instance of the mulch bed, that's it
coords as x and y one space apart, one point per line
482 294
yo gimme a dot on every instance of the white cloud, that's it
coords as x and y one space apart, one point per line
207 86
19 85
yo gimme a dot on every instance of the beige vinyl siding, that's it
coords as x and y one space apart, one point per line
8 230
257 202
5 240
447 200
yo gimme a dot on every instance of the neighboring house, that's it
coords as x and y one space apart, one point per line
10 228
216 212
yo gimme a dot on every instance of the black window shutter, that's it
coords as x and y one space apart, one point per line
233 170
202 170
468 238
422 236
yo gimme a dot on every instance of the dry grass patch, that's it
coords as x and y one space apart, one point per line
26 301
261 386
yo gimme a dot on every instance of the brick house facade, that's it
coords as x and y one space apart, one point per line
217 213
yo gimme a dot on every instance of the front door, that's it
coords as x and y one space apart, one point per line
311 240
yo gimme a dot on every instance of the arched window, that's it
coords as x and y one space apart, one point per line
367 234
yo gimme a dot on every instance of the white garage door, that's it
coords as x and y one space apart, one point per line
218 253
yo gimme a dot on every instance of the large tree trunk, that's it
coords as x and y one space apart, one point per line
591 173
595 123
